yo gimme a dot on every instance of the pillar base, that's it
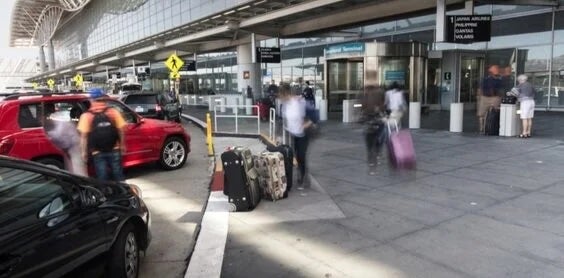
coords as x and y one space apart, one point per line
456 117
415 115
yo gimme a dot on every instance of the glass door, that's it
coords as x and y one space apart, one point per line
471 72
346 81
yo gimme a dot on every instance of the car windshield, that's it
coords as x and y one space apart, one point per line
141 99
131 87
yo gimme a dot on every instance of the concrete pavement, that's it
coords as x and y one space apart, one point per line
176 200
474 207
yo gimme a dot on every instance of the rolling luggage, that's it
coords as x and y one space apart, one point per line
492 122
240 185
288 154
400 146
272 175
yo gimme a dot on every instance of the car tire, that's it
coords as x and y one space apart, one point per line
173 153
124 255
52 162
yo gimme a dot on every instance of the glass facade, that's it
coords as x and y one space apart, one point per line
104 25
536 47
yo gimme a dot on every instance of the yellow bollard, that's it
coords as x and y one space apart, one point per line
209 139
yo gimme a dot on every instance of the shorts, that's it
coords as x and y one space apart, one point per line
527 108
484 104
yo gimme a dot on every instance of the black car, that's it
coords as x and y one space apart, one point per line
154 105
52 222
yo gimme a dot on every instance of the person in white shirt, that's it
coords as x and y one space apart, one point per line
395 102
294 113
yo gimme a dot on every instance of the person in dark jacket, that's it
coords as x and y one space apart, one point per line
374 119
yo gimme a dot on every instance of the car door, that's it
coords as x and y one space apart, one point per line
44 232
137 140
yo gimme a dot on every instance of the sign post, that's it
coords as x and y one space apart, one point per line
174 64
51 84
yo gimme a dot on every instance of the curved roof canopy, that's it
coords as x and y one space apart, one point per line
35 21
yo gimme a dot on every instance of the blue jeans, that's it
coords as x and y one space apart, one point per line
111 160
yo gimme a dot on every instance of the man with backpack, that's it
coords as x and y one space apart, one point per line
102 137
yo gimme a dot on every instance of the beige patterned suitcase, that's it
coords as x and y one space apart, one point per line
272 174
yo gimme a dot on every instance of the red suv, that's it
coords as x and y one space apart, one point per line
147 140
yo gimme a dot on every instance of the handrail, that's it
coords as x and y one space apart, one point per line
272 125
236 115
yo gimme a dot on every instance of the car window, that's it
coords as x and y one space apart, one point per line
30 115
128 115
63 111
141 99
27 196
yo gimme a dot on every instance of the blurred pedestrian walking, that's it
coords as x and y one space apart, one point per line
294 114
374 120
395 103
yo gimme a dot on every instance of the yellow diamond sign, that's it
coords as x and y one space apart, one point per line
34 85
78 79
174 63
51 83
174 75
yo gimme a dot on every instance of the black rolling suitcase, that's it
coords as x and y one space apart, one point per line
492 122
288 154
242 194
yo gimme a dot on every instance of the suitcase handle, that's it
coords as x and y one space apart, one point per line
390 126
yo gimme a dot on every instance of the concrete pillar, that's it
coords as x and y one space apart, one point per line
51 55
456 116
245 64
415 115
42 62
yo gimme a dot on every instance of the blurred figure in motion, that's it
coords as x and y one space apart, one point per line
489 95
374 119
395 102
61 131
294 114
309 95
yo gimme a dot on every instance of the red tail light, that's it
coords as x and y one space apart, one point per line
158 108
6 146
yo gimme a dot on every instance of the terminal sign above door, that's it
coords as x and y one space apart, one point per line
468 28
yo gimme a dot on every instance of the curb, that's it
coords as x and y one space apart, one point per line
206 259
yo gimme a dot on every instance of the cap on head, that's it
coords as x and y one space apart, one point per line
96 93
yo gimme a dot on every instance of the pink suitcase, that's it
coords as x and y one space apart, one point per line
400 146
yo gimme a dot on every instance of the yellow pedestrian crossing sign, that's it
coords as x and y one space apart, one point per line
78 79
174 75
51 83
34 85
174 63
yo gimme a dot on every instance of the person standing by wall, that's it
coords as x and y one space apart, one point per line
525 92
374 119
294 114
488 95
309 95
102 136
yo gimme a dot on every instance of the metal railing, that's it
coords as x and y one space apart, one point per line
236 115
272 125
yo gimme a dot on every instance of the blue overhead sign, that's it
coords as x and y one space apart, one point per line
394 75
354 47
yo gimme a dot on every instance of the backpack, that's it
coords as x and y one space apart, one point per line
104 134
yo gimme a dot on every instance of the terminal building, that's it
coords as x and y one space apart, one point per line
340 46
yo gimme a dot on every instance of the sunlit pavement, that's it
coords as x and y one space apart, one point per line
176 200
475 207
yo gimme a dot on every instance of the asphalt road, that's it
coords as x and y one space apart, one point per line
176 200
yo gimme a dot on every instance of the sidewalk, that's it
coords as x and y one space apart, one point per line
475 207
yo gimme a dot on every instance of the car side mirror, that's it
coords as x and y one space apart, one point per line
91 197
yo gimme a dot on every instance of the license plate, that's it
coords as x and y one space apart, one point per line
139 109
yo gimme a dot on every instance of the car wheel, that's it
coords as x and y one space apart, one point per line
52 162
173 153
124 256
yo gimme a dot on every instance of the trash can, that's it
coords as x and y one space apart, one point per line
508 120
